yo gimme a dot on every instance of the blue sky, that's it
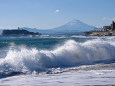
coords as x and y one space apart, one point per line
44 14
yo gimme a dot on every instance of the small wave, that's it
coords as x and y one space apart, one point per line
54 36
71 53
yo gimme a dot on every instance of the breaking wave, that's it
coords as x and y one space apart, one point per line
71 53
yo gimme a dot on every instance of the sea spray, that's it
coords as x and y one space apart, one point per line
71 53
20 59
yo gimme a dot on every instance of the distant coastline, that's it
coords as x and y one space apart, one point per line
106 31
76 27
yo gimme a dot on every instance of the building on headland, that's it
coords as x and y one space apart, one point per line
105 31
113 26
18 32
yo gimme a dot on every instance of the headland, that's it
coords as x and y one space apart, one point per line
105 31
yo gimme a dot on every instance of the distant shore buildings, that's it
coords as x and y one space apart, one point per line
106 31
18 32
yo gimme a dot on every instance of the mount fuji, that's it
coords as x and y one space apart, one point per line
72 27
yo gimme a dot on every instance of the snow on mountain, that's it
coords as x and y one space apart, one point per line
74 25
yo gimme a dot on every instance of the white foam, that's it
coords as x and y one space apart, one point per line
71 53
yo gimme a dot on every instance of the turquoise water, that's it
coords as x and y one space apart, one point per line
25 55
39 42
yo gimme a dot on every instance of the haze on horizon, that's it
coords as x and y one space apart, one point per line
44 14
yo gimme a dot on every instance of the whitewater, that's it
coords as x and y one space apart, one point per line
50 60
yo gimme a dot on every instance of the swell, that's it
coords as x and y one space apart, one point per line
25 60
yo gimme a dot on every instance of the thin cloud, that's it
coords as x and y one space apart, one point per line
108 19
57 11
113 18
0 27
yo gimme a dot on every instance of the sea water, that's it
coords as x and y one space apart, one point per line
49 60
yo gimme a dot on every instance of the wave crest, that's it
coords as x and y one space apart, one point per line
71 53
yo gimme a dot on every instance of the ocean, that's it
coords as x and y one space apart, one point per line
57 60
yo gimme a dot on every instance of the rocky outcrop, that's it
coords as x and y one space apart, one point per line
100 33
106 31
